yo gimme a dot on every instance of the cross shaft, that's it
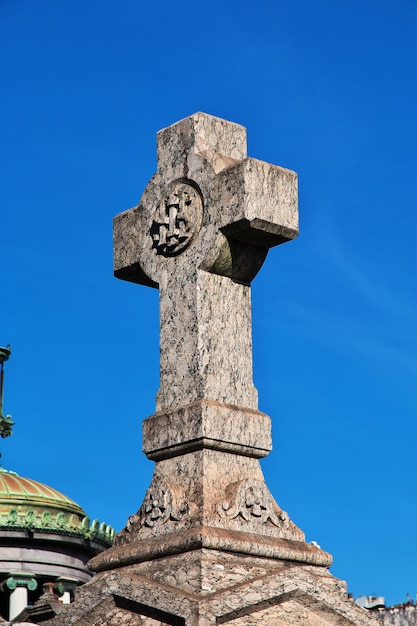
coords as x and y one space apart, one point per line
201 233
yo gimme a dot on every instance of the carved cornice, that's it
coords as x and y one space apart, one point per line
58 523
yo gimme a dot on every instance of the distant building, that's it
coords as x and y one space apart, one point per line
46 540
398 615
404 614
371 602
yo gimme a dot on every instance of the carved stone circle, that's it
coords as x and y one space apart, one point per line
177 219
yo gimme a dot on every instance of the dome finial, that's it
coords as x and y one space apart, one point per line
6 423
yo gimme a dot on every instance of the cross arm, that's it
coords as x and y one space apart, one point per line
228 209
126 248
260 203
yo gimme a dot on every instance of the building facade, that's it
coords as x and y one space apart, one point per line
46 540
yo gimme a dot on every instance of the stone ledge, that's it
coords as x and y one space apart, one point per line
292 596
207 424
214 539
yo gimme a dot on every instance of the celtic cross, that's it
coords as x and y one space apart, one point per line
200 234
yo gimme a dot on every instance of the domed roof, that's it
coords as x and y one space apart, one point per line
27 493
28 504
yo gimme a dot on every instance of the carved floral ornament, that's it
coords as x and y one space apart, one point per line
248 500
251 501
158 507
177 219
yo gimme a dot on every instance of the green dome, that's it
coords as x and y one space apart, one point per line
28 504
25 493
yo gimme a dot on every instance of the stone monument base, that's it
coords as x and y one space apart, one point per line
209 587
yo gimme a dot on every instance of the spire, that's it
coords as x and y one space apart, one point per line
5 420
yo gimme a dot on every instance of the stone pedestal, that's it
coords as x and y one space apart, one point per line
209 545
206 587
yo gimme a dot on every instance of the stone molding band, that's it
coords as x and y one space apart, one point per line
207 424
214 539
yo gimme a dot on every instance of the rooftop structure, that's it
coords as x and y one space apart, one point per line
46 540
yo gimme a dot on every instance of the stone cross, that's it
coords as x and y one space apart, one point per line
200 234
209 545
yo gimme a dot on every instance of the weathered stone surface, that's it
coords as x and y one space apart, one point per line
205 315
209 498
207 424
208 588
209 545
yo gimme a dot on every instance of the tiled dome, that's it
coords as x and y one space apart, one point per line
26 494
27 504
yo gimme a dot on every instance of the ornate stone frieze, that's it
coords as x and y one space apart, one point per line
250 500
52 521
162 503
177 219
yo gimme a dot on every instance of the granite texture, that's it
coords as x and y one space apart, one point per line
206 588
209 498
204 273
207 424
208 545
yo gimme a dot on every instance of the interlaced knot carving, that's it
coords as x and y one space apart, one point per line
177 220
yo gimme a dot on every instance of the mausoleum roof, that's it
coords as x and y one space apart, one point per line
28 504
23 492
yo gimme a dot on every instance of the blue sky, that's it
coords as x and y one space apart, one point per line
325 88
